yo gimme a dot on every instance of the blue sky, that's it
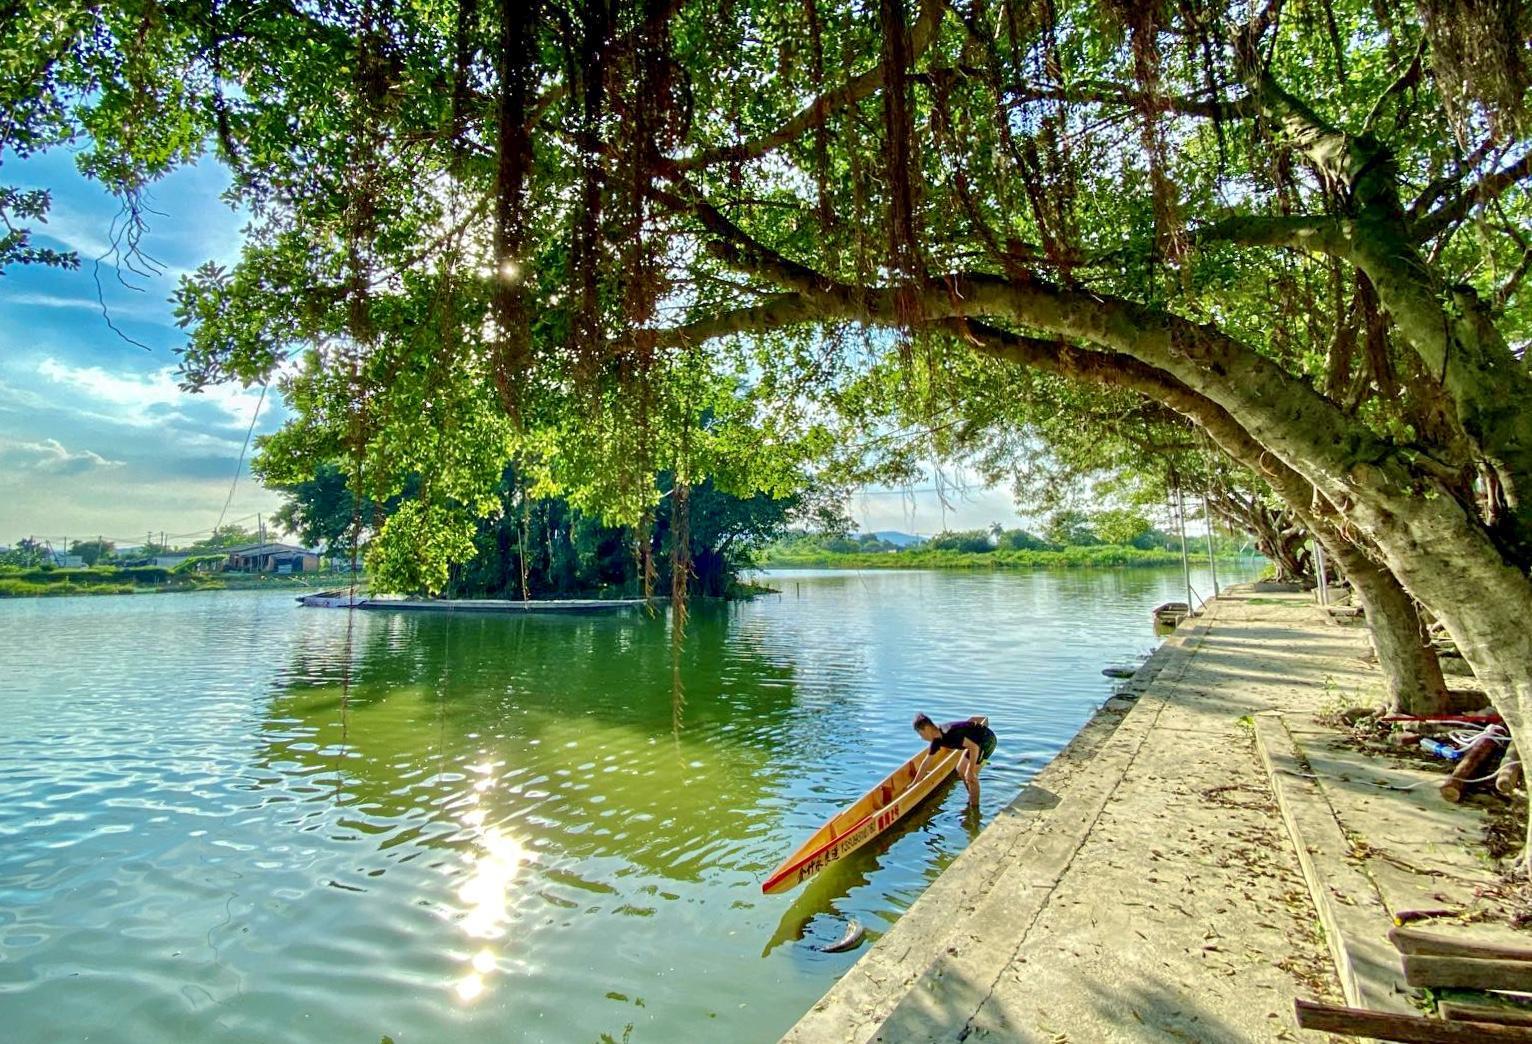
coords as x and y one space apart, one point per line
95 435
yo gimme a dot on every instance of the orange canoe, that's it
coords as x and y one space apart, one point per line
872 813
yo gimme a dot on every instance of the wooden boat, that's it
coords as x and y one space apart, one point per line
1170 614
871 814
330 599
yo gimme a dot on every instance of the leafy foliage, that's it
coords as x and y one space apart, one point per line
1147 248
93 551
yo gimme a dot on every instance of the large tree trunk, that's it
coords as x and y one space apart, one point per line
1277 535
1484 603
1431 541
1412 674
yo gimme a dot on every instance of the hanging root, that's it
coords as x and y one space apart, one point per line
1477 54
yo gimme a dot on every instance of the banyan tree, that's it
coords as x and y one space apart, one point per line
499 227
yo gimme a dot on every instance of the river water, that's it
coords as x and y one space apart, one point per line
224 817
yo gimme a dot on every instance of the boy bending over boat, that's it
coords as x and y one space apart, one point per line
973 737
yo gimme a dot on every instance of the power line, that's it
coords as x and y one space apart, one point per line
242 450
894 492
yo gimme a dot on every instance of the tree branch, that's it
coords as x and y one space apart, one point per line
1319 234
736 247
1408 77
1106 93
848 93
1439 185
1357 166
1485 190
1506 289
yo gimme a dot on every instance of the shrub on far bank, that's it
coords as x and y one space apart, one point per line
143 575
1096 556
11 587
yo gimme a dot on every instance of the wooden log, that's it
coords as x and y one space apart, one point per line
1474 973
1411 1029
1509 776
1457 1011
1420 943
1473 764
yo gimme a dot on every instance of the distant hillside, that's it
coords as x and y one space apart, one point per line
898 539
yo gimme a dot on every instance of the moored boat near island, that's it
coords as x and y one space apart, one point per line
342 600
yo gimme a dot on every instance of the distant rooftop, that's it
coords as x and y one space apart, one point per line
269 549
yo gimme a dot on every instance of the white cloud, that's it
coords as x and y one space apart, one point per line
159 311
148 399
960 500
17 400
120 505
51 456
51 301
74 231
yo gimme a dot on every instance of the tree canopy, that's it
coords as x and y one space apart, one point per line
625 238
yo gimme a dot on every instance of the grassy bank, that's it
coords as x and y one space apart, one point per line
111 580
1101 556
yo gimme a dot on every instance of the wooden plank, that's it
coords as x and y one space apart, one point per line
1474 973
1458 1011
1346 899
1430 944
1411 1029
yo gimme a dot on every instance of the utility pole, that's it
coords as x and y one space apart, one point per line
260 529
1212 561
1186 567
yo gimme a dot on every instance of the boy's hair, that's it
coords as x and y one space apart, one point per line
921 721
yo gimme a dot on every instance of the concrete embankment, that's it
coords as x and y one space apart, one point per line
1143 887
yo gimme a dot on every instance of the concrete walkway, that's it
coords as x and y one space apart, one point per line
1143 888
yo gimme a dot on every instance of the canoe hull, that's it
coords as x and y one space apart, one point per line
872 814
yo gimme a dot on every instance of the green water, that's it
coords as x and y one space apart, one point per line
222 817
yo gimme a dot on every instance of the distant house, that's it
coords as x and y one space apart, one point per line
270 558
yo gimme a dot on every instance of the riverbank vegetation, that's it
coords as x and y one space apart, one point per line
1104 556
1075 539
1280 253
115 580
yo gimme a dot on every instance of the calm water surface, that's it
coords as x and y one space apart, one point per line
221 818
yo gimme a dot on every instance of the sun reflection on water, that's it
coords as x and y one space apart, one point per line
493 866
487 890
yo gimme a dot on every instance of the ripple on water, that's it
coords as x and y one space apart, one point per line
539 829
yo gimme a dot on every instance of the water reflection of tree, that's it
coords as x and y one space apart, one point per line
571 720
